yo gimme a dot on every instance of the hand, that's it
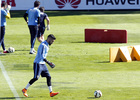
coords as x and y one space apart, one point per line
8 8
52 65
48 27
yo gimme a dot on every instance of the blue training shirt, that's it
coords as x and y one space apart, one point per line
33 15
42 52
3 17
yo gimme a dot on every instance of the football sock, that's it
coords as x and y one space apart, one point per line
31 49
50 88
28 85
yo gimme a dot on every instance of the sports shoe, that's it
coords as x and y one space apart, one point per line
34 51
5 52
53 94
25 92
31 52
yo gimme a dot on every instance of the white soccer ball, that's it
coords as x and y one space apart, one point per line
97 94
11 50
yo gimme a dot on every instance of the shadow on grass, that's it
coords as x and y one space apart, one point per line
68 13
60 82
3 98
3 54
22 50
22 67
103 62
63 82
91 98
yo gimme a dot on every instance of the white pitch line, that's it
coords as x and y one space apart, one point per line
9 82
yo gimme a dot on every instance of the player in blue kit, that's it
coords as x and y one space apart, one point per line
42 27
4 14
33 21
40 67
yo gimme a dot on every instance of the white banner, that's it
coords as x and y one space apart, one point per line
75 4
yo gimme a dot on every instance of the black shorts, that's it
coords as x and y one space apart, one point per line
40 69
41 31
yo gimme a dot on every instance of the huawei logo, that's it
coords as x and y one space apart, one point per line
67 3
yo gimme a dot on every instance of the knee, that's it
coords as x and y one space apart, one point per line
33 80
48 77
39 39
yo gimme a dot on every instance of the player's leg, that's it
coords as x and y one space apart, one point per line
37 72
40 36
2 39
2 35
33 33
3 46
39 39
45 73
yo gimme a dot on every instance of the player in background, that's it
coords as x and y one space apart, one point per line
33 22
40 67
4 14
42 27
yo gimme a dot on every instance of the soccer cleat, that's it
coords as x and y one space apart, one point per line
25 92
31 52
34 51
5 52
52 94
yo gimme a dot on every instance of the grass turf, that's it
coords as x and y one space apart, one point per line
81 68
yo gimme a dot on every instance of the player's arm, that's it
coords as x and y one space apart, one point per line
52 65
48 23
43 54
25 17
38 21
8 12
8 15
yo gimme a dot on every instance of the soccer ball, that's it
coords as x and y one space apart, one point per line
97 94
11 50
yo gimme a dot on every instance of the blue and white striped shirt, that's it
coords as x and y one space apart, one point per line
42 52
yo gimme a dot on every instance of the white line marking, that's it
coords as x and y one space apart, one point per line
9 82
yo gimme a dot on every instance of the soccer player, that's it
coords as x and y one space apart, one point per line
33 15
42 27
4 14
40 67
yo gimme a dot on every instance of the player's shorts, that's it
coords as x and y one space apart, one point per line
40 69
41 31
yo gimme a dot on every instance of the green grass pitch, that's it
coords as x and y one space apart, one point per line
81 68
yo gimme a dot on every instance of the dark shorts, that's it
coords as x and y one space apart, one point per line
40 69
41 31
